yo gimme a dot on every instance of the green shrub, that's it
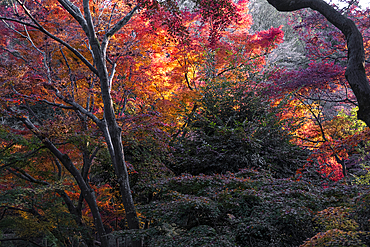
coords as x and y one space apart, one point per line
234 128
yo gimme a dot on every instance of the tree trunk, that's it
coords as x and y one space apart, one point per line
87 192
355 72
109 126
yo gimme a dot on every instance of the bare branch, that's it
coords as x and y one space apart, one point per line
94 153
117 27
27 106
14 161
71 208
112 75
58 105
71 75
59 166
111 16
346 100
76 13
84 111
7 147
93 40
188 81
74 105
121 23
45 101
89 21
24 175
18 21
15 54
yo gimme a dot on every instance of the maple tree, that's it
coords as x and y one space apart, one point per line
57 54
355 72
108 82
321 89
56 81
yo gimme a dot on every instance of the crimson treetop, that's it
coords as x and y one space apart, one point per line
355 72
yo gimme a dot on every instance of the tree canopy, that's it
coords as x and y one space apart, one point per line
183 123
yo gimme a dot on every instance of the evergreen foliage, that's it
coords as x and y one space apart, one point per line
235 127
251 208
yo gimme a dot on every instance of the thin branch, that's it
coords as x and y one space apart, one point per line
117 27
18 21
75 105
48 75
58 105
71 208
59 166
72 77
82 110
123 102
45 101
76 13
3 214
32 112
42 29
121 23
111 16
24 157
15 54
308 140
230 68
323 135
94 153
328 100
24 175
187 81
112 76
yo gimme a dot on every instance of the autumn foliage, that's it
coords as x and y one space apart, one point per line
216 147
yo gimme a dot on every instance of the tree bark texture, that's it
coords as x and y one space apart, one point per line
355 72
111 130
109 126
87 192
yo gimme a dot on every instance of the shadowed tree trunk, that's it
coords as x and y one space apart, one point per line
108 124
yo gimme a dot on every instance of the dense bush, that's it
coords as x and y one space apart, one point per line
231 128
248 208
338 229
